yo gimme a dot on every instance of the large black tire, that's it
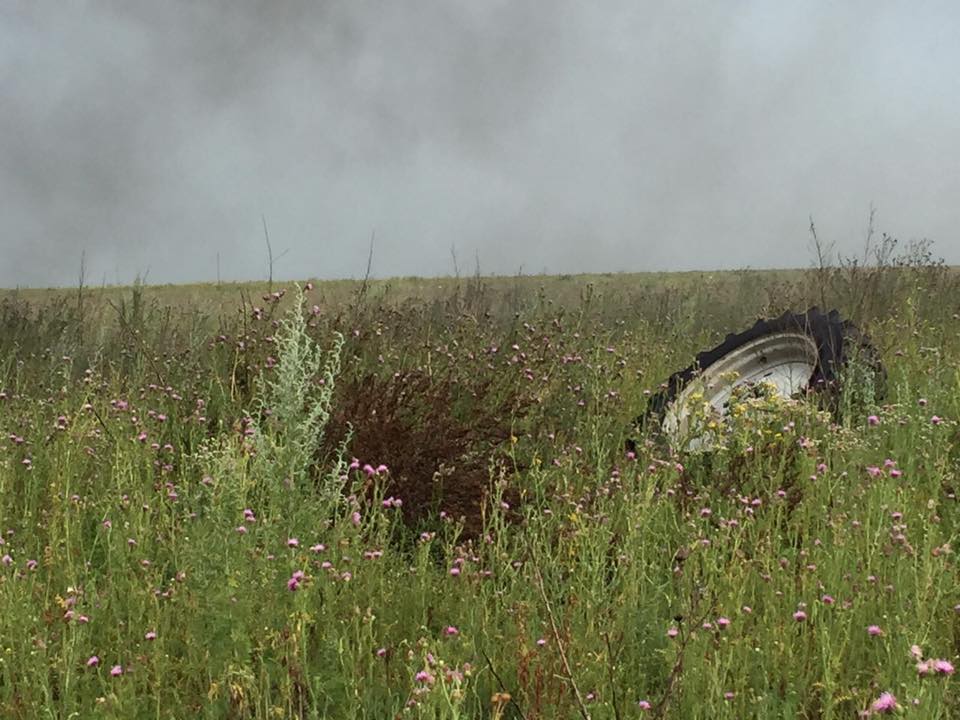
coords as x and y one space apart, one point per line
837 342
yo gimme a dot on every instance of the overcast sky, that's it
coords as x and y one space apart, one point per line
547 136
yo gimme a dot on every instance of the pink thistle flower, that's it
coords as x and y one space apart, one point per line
355 518
729 695
644 705
451 630
454 571
293 542
943 667
873 420
541 642
6 560
93 661
293 584
672 632
799 616
886 703
936 420
151 635
424 677
723 622
116 670
381 652
318 548
874 630
827 600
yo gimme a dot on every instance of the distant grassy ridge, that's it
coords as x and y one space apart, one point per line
772 287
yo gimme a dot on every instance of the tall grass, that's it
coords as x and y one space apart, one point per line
182 537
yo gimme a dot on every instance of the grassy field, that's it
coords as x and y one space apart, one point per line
411 498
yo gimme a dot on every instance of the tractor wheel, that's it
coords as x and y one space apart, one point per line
794 354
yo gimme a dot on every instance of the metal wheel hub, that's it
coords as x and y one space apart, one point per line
783 363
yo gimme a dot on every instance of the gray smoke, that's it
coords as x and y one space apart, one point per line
561 136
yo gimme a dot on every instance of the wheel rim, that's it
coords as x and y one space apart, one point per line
785 362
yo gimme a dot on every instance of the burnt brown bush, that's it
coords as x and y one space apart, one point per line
442 439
